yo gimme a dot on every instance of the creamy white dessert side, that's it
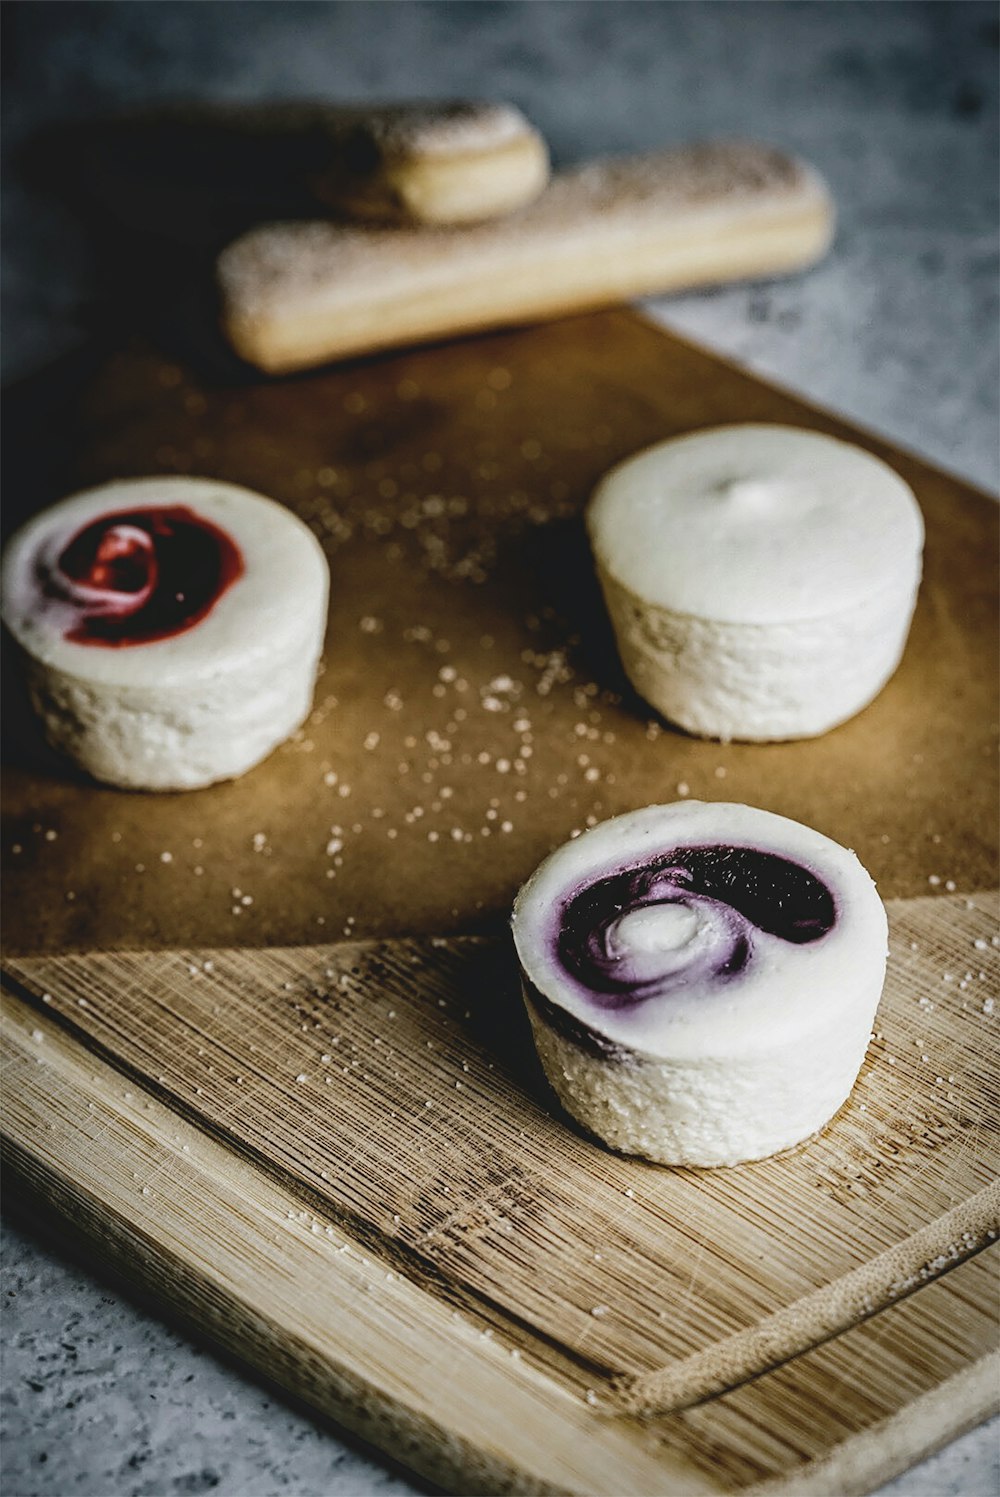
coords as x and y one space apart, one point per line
760 579
701 979
171 628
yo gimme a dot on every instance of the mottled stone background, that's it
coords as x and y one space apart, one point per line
895 103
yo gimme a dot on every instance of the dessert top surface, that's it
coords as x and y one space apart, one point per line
756 524
150 582
701 930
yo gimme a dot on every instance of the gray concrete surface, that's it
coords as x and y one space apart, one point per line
896 103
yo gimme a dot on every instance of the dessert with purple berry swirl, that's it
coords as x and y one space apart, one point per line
701 979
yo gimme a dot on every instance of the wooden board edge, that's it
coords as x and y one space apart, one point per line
513 1427
807 1323
798 1327
336 1314
895 1445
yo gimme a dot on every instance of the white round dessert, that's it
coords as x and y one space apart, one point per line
172 628
701 979
760 579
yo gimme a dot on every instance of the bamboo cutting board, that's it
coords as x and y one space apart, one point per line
331 1145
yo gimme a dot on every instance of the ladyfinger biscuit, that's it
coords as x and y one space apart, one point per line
448 163
300 294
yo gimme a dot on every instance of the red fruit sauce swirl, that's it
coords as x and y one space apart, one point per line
135 576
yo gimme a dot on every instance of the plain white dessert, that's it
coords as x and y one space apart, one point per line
701 979
172 628
760 579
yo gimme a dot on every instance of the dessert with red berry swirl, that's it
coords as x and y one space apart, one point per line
171 628
701 979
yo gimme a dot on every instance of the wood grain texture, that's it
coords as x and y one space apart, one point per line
272 1275
472 710
392 1082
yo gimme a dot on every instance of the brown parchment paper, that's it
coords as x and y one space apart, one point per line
471 712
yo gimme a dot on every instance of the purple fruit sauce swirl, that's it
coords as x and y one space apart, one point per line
732 893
